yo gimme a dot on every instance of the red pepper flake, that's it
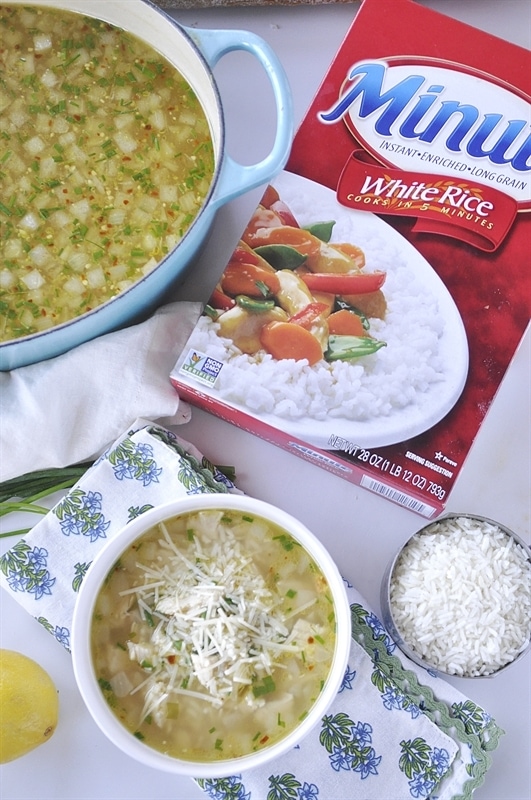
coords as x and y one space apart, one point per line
264 739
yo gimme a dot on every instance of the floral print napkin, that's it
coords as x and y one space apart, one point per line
393 731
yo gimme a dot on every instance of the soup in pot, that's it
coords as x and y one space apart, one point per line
213 635
106 158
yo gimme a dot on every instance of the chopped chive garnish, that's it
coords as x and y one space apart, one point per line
149 618
266 687
286 541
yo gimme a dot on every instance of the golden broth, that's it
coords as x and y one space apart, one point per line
105 160
213 635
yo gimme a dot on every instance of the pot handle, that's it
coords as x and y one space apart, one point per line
235 178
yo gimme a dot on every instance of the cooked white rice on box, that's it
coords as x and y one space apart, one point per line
401 374
460 595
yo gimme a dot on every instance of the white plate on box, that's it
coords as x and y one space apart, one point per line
399 392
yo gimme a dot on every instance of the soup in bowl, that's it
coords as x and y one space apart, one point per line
210 635
108 159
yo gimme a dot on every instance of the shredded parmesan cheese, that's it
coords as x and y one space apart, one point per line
215 628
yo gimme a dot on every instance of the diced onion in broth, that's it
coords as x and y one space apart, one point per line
93 122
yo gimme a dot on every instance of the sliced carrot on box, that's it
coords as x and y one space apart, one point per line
346 323
285 340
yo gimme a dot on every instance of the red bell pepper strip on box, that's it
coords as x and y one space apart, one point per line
308 315
221 301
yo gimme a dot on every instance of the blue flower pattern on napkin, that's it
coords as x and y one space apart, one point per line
349 745
80 514
230 788
132 461
59 632
25 568
348 749
423 765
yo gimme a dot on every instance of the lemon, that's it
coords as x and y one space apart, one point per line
29 705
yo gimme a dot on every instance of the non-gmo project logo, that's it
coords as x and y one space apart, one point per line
202 367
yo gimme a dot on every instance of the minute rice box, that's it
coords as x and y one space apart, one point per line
378 293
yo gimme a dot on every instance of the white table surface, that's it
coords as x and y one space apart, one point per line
361 530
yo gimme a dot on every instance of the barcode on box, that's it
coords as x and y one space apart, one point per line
402 498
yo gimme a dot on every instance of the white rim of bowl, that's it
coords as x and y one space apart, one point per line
81 650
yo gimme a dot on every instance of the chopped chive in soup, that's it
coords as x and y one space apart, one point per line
105 160
214 641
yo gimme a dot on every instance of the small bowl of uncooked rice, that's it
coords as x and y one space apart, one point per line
456 598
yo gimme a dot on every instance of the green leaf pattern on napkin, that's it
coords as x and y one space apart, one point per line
80 571
288 787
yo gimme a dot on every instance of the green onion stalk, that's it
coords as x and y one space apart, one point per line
22 494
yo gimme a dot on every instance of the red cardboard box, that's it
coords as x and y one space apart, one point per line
417 147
